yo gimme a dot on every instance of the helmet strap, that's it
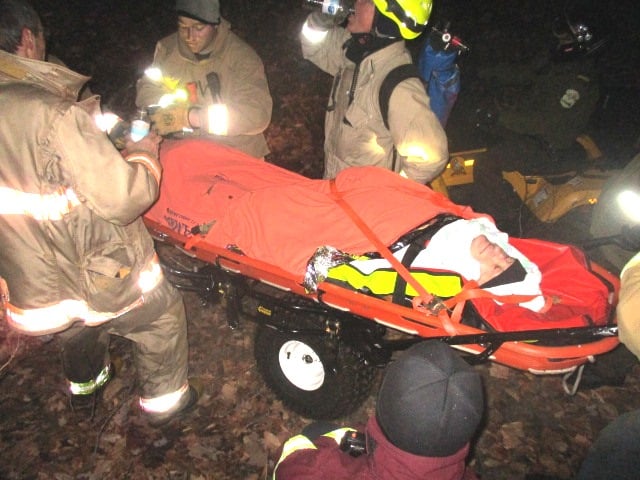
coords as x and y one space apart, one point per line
384 27
396 9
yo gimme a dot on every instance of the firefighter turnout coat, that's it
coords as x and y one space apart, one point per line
72 244
629 304
243 85
355 133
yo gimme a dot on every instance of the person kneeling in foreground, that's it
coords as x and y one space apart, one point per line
429 406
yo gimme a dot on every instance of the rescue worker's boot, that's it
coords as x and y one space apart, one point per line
186 404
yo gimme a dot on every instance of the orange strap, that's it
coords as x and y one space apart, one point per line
423 296
471 290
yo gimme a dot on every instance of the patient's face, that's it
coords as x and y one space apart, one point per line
493 259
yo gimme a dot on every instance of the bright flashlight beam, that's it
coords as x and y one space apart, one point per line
629 202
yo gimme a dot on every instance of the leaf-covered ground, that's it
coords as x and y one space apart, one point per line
531 425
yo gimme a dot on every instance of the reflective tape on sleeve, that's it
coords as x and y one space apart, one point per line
299 442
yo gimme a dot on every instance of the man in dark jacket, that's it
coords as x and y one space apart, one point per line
429 406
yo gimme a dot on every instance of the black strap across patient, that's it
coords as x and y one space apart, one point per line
416 239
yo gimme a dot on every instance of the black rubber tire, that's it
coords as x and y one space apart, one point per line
341 391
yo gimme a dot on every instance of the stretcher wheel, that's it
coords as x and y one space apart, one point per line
313 376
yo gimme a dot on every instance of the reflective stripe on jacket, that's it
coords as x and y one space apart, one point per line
57 317
300 442
71 233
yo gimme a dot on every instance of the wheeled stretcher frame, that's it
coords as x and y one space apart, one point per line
341 317
319 351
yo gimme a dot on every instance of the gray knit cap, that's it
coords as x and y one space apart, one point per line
207 11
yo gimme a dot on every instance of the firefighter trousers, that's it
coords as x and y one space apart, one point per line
158 332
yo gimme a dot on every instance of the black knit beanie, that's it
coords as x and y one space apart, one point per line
430 401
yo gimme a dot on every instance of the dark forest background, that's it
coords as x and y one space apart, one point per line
531 426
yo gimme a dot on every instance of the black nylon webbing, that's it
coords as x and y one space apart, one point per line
415 247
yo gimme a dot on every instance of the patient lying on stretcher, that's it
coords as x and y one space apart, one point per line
281 218
441 256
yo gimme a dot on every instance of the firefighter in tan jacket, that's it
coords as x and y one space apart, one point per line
629 305
208 81
615 452
359 57
75 257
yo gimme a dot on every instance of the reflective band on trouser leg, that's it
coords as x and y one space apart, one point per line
164 403
55 318
87 388
158 331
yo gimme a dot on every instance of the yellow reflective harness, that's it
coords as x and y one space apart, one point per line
383 281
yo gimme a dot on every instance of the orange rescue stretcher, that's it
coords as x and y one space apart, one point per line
246 229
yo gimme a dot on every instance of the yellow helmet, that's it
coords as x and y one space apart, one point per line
411 16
